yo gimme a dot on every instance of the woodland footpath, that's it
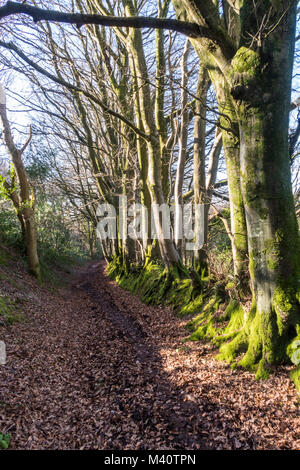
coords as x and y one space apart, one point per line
91 367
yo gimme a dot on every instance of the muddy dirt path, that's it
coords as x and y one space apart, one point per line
94 368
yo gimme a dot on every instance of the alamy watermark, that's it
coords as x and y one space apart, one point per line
135 222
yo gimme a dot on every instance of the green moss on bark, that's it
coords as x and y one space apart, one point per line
246 61
266 338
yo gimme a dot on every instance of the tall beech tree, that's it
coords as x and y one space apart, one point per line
254 61
247 48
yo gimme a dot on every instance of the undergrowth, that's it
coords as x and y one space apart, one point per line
9 311
58 248
4 440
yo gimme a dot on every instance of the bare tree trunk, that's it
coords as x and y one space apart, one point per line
26 198
200 256
183 138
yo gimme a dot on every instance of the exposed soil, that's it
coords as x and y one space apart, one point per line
95 368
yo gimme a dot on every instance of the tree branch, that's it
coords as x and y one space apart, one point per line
70 86
225 222
188 28
28 140
295 104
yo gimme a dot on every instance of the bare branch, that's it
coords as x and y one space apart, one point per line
28 140
38 14
72 87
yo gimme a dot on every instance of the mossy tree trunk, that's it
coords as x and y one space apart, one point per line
238 227
204 184
231 146
199 176
160 79
255 66
261 91
215 55
143 167
182 154
134 43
